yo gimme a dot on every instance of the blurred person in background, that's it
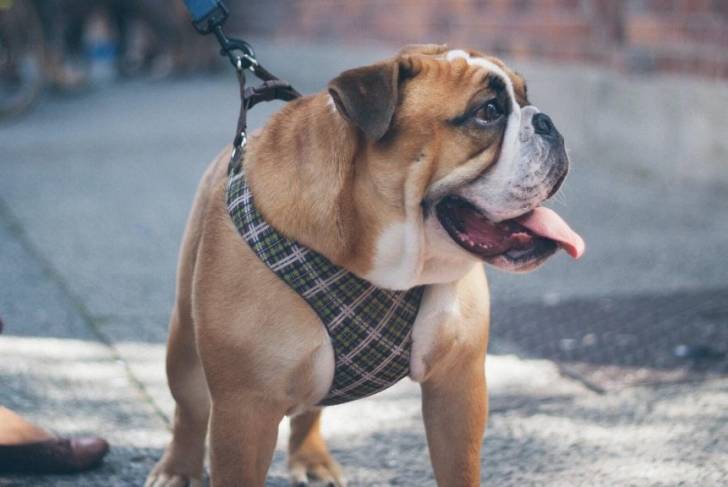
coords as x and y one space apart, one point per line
71 44
63 22
154 37
92 40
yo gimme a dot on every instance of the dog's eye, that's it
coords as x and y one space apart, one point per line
489 112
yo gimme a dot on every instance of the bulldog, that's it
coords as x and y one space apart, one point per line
403 176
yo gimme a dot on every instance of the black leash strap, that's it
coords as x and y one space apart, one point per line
208 16
270 89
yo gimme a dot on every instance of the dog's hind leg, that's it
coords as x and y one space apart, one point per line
308 456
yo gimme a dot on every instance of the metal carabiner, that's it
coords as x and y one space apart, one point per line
245 61
230 47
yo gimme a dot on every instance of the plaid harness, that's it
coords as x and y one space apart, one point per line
370 328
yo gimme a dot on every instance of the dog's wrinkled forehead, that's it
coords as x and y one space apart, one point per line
422 82
476 59
514 83
446 83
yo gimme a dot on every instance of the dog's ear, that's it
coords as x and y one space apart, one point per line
367 96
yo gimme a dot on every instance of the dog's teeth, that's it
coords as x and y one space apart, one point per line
518 253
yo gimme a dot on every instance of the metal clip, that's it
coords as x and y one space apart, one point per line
231 48
244 61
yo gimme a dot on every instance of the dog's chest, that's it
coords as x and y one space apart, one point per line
439 313
370 328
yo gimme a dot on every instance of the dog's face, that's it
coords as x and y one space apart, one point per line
460 159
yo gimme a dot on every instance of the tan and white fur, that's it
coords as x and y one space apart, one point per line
353 173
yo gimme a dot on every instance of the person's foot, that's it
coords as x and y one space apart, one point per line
55 455
27 448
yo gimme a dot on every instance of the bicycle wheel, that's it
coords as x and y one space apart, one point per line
21 56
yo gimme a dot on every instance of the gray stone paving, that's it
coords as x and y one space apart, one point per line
94 191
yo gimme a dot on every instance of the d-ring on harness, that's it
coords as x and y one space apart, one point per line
370 328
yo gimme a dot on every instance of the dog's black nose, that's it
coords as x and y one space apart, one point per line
543 125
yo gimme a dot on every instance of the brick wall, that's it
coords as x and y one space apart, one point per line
687 36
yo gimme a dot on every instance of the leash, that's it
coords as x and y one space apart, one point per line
208 17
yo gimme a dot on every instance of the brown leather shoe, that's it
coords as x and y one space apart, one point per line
57 455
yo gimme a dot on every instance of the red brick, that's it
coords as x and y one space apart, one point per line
693 6
658 7
657 31
668 35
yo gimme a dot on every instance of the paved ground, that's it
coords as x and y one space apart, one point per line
610 371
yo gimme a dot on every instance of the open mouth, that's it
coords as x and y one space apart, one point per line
525 240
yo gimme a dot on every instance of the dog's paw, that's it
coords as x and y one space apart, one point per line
171 480
326 472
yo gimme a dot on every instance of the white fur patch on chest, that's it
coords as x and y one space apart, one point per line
408 253
398 258
439 308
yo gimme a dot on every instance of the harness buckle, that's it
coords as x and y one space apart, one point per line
235 164
243 140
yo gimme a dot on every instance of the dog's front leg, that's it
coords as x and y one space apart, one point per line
455 409
243 433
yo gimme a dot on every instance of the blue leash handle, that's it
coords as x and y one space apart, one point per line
206 14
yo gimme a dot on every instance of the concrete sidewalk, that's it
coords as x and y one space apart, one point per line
94 192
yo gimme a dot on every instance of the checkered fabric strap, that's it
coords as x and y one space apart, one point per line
370 328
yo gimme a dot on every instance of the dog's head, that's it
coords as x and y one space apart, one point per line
459 159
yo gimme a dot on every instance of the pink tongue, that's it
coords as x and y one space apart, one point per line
547 223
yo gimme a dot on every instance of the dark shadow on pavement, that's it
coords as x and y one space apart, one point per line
617 341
